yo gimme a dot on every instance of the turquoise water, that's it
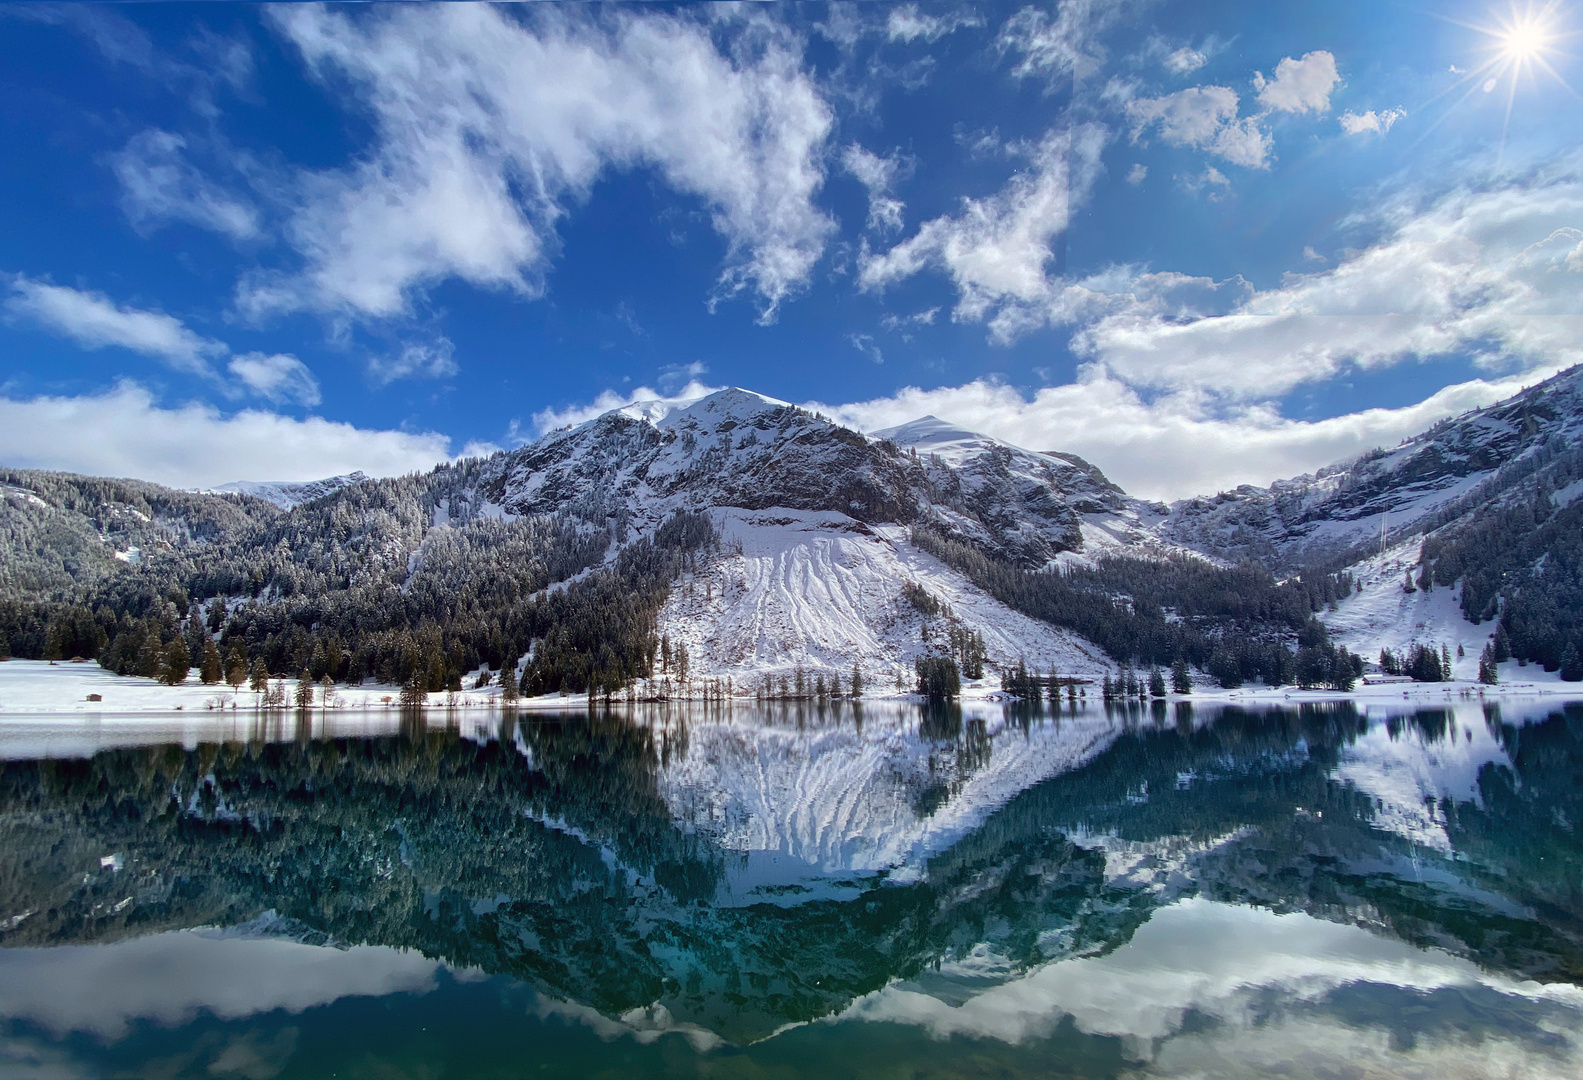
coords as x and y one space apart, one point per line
887 891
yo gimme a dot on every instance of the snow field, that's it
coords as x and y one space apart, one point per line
1381 615
819 590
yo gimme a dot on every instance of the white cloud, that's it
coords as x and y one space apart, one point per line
159 185
925 317
1136 174
907 23
1203 118
865 344
997 248
1299 86
277 378
676 375
415 360
1370 122
94 321
1059 47
489 124
102 989
1206 988
878 174
1169 448
550 419
1185 60
1489 272
122 432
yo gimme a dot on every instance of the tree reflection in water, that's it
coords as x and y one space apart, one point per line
600 857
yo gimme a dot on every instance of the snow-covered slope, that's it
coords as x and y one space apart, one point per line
814 520
287 494
1380 614
823 591
1471 458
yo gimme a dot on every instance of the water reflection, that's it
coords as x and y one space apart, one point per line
1135 884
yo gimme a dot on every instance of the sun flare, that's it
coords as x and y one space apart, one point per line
1525 39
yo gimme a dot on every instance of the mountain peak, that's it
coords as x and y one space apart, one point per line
288 493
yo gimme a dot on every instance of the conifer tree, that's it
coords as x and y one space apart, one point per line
1156 683
209 667
258 679
1181 677
304 695
1489 674
178 661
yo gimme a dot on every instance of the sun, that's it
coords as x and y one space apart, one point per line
1525 39
1522 45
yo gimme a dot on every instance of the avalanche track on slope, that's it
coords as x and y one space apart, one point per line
822 591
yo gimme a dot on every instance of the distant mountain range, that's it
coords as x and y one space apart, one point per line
779 541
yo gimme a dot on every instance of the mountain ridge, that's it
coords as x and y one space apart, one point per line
800 532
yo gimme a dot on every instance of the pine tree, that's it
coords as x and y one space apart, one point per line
326 690
258 680
1502 646
1181 677
1572 665
304 695
209 668
1156 683
856 682
1489 674
415 691
178 661
236 669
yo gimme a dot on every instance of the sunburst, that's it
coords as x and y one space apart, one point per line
1519 43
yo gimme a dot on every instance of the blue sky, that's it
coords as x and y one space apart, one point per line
1198 243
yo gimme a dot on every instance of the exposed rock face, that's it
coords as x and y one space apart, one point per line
742 450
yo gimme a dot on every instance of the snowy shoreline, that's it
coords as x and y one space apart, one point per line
38 687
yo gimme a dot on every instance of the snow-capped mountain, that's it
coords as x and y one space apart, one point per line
824 547
815 555
287 494
739 449
1453 467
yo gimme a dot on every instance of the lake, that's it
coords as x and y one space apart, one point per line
796 890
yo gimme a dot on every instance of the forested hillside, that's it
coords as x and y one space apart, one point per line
555 561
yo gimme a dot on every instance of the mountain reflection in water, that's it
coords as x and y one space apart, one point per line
991 890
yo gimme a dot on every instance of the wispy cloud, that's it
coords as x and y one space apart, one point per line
278 378
432 359
997 250
878 175
159 185
865 344
909 23
1203 118
94 321
491 122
